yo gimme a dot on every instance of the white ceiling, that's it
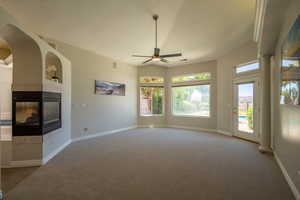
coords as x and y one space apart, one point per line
200 29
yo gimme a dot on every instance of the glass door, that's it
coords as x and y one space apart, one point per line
245 110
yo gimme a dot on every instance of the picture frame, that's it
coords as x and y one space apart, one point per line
109 88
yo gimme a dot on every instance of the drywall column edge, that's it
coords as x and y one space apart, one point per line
265 111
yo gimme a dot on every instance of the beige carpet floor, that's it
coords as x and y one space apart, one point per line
153 164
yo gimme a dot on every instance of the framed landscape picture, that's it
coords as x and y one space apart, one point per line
109 88
290 67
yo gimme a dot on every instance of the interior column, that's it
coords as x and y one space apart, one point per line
265 128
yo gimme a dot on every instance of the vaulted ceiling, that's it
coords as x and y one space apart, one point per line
200 29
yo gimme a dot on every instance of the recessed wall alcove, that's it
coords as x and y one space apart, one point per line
53 71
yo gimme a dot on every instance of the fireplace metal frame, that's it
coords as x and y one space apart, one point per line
40 97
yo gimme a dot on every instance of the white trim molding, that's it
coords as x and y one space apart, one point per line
33 163
193 128
25 163
55 152
287 177
152 126
261 6
227 133
103 133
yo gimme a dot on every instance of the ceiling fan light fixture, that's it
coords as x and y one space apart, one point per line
156 58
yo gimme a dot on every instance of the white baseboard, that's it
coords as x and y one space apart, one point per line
287 177
34 163
55 152
31 163
152 126
103 133
25 163
6 166
193 128
225 133
188 128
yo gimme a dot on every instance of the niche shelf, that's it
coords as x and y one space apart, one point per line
53 68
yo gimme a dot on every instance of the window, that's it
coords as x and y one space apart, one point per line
151 101
195 77
151 79
191 100
247 67
291 63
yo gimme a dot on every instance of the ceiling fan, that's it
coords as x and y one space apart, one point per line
156 56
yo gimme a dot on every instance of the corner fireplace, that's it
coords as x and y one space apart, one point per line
36 113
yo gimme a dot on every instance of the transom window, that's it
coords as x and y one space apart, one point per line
191 100
291 62
247 67
151 101
145 79
194 77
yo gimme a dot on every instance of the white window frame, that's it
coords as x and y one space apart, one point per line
192 83
163 101
151 77
246 72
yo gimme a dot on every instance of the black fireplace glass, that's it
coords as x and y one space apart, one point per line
27 113
51 112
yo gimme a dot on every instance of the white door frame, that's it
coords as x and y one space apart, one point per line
256 109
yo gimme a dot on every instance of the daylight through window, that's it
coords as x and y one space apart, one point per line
151 101
247 67
194 77
151 79
191 100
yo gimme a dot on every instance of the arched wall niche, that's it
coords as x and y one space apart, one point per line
54 68
27 59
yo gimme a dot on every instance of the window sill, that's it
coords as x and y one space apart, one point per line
151 115
191 116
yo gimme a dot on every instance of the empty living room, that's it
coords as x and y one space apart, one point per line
150 100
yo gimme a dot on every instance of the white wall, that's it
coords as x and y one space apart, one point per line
209 123
148 121
286 119
168 119
5 114
99 113
56 139
221 90
226 64
29 64
5 92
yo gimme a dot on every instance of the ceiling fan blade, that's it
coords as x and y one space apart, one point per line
171 55
164 60
147 61
142 56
